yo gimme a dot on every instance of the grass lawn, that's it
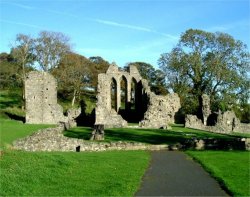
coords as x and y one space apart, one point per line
149 136
230 168
11 130
111 173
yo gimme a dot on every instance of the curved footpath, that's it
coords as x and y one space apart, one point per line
172 173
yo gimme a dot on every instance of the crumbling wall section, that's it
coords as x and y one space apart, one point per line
161 110
41 99
226 122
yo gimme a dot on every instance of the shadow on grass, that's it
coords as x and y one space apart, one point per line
132 135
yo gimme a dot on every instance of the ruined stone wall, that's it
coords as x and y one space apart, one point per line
226 123
160 109
41 99
205 108
52 139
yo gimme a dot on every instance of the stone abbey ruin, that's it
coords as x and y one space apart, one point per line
122 97
139 103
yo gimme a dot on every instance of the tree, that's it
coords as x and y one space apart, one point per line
155 77
50 48
73 74
99 65
23 51
9 70
211 63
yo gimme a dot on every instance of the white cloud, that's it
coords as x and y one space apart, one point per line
229 26
22 24
22 6
128 26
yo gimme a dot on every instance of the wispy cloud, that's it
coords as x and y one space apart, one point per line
22 24
21 6
61 13
226 27
134 27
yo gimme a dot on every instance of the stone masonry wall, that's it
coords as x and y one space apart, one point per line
41 99
160 110
226 123
52 139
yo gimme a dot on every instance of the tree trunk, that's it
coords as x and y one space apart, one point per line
74 98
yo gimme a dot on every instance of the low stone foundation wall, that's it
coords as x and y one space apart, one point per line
52 139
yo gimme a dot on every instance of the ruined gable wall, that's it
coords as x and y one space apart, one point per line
160 111
41 99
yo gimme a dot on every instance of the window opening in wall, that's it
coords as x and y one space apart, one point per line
114 94
133 94
124 91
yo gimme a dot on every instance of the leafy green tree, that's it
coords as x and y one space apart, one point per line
99 65
211 63
73 74
155 77
50 47
9 70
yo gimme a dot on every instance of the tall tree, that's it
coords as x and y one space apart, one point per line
73 74
211 63
23 51
9 70
99 65
155 77
50 48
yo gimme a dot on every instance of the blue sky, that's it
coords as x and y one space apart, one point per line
123 30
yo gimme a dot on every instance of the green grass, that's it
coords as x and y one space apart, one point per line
231 169
11 130
11 103
110 173
149 136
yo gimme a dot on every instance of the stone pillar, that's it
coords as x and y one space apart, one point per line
205 108
118 96
129 91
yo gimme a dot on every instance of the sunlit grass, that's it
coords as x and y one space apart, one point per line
230 168
109 173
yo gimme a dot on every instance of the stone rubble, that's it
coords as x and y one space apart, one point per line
226 122
52 139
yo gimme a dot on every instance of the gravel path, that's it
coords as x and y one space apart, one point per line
173 173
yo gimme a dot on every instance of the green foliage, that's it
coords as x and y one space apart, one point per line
155 77
110 173
10 103
50 47
72 75
149 136
9 72
230 168
211 63
99 65
11 130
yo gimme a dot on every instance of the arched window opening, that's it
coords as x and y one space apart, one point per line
113 94
133 94
124 100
